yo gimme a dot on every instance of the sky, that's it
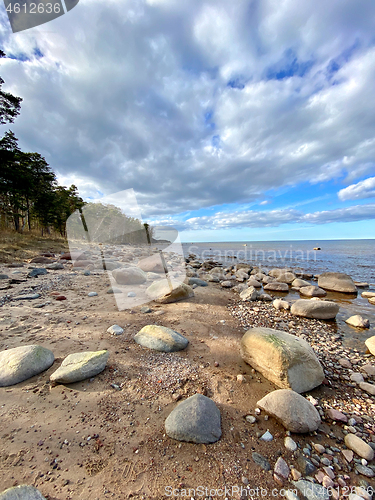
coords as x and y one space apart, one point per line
232 121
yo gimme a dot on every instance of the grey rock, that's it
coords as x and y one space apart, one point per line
80 366
161 338
281 304
115 330
358 321
312 491
261 461
38 271
129 276
20 363
359 446
277 287
197 281
160 291
365 471
337 282
23 492
299 283
249 294
312 291
55 266
4 277
86 273
370 388
145 310
196 420
281 468
132 294
152 264
27 297
284 359
114 290
295 412
316 309
227 284
286 277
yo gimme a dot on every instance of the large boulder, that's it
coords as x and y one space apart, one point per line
152 264
161 338
370 344
23 492
312 291
286 277
20 363
129 276
316 309
196 420
249 294
337 282
294 412
80 366
284 359
161 292
277 287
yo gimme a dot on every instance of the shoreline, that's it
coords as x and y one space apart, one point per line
122 410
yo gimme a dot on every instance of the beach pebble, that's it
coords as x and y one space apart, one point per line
267 436
276 287
312 491
365 471
281 468
92 294
359 446
145 310
261 461
290 444
115 330
4 276
336 415
38 271
132 294
370 388
251 419
112 290
28 297
348 455
356 377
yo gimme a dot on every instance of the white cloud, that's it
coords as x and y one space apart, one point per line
180 100
272 218
363 189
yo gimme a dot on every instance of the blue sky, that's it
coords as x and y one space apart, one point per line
238 120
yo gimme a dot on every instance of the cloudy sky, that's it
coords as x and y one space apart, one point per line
241 120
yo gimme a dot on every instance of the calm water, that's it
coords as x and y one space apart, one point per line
353 257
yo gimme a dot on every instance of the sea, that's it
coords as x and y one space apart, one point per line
353 257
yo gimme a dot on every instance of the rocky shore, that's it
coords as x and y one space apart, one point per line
155 399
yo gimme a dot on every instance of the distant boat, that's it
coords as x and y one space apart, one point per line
245 245
317 248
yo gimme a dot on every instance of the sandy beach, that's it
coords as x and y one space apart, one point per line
104 437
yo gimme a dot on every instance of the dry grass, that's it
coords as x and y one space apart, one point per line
15 247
